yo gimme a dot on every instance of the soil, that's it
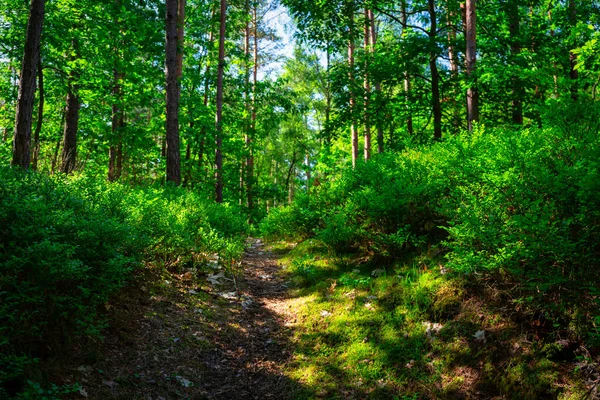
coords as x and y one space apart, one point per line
191 336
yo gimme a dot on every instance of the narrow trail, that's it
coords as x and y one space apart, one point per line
247 363
190 338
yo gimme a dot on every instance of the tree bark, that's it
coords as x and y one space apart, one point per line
407 85
24 113
69 151
471 60
353 131
172 94
515 50
40 117
219 104
435 78
573 73
367 85
250 158
373 34
453 57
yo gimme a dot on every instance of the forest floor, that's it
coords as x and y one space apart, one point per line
190 336
305 324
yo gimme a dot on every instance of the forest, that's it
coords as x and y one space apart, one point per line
376 199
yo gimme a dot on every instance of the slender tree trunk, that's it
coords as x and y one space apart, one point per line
114 171
515 50
573 73
453 57
353 131
250 158
407 85
40 117
69 151
24 113
180 36
373 34
202 138
219 114
367 85
58 143
471 59
172 93
328 97
435 78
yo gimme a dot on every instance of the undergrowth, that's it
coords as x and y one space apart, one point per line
67 245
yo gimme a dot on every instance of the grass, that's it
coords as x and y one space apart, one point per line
408 331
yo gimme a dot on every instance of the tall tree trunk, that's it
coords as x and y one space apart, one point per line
471 59
328 96
172 93
250 158
573 73
373 34
367 85
515 49
453 57
24 113
219 104
435 78
69 151
353 131
115 149
180 36
407 85
40 117
202 138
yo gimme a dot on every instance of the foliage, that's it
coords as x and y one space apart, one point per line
521 202
68 245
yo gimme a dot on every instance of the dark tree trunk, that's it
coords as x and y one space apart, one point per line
453 57
172 96
24 114
367 85
407 85
573 73
115 149
252 131
69 151
40 117
515 50
380 139
353 131
471 59
435 78
219 104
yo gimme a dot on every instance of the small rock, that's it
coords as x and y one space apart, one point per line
325 313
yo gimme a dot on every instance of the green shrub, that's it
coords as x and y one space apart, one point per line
68 244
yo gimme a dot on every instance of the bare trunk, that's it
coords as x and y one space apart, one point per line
24 113
114 171
515 50
573 73
40 117
367 86
435 84
250 158
353 131
453 57
407 85
471 59
219 104
172 93
206 89
373 34
69 151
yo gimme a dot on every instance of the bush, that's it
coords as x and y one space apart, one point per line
68 245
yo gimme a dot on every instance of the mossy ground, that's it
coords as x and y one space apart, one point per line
410 331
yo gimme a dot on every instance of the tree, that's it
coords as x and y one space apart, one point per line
172 93
471 59
31 55
219 104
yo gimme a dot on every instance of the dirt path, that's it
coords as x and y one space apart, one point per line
190 337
